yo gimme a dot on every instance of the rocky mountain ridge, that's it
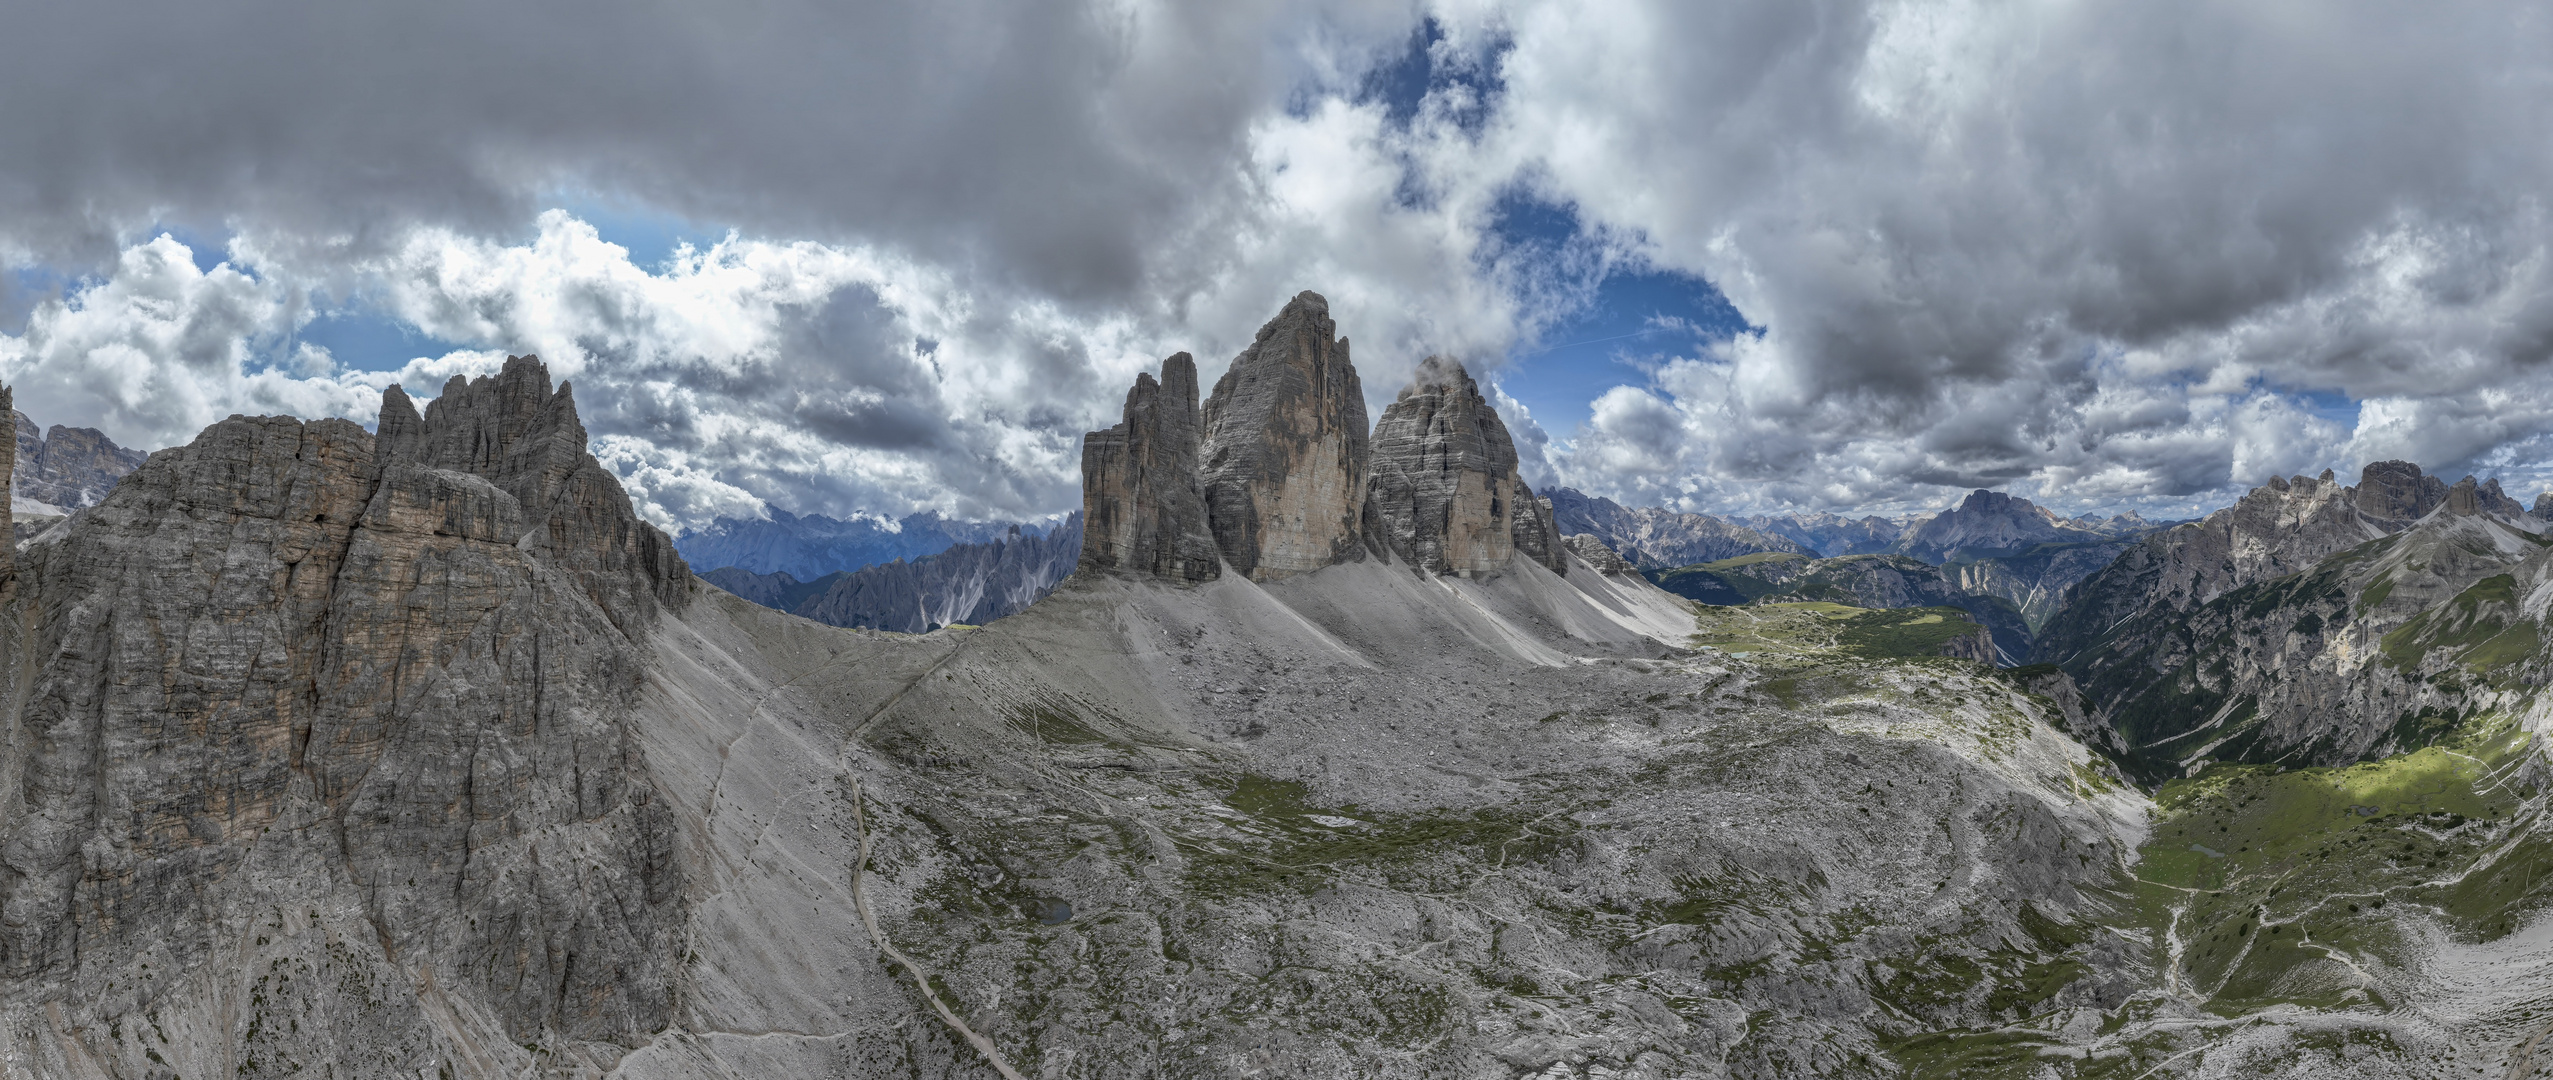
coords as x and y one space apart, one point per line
2244 635
310 700
810 546
964 584
1653 538
416 753
1275 475
66 468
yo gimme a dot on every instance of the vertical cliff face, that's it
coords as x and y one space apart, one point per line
512 430
1276 474
1141 509
1443 493
67 467
1285 448
302 699
1537 532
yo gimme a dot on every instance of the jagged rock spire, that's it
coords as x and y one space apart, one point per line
1285 447
514 431
1277 475
1443 494
1141 510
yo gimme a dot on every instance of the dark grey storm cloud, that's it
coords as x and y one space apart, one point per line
1063 144
2104 254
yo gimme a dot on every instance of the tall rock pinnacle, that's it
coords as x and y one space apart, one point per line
1444 494
1285 446
1141 510
515 432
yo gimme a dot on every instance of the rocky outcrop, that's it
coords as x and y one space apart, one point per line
1443 495
2281 528
297 699
2394 493
1284 453
2036 580
969 583
66 467
514 431
1602 558
2310 623
1141 508
1536 534
1653 538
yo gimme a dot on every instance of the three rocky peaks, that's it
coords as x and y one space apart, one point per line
1276 474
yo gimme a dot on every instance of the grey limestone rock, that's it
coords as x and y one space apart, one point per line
1141 508
1285 448
1602 558
67 467
2268 630
299 725
514 430
1537 533
1443 495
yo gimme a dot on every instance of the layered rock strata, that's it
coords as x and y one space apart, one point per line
1537 531
343 712
1142 510
1602 558
67 467
2310 623
1444 496
1275 474
1285 448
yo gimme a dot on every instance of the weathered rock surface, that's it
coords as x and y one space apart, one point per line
969 584
1284 455
2035 580
312 737
1142 510
1988 524
1444 496
2310 623
68 468
2281 528
1537 533
1597 555
1654 538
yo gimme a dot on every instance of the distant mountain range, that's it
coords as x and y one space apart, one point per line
63 469
811 546
969 584
2005 560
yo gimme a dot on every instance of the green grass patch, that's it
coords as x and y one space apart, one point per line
2261 874
1288 849
1905 632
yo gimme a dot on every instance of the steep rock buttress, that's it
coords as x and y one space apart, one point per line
298 698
